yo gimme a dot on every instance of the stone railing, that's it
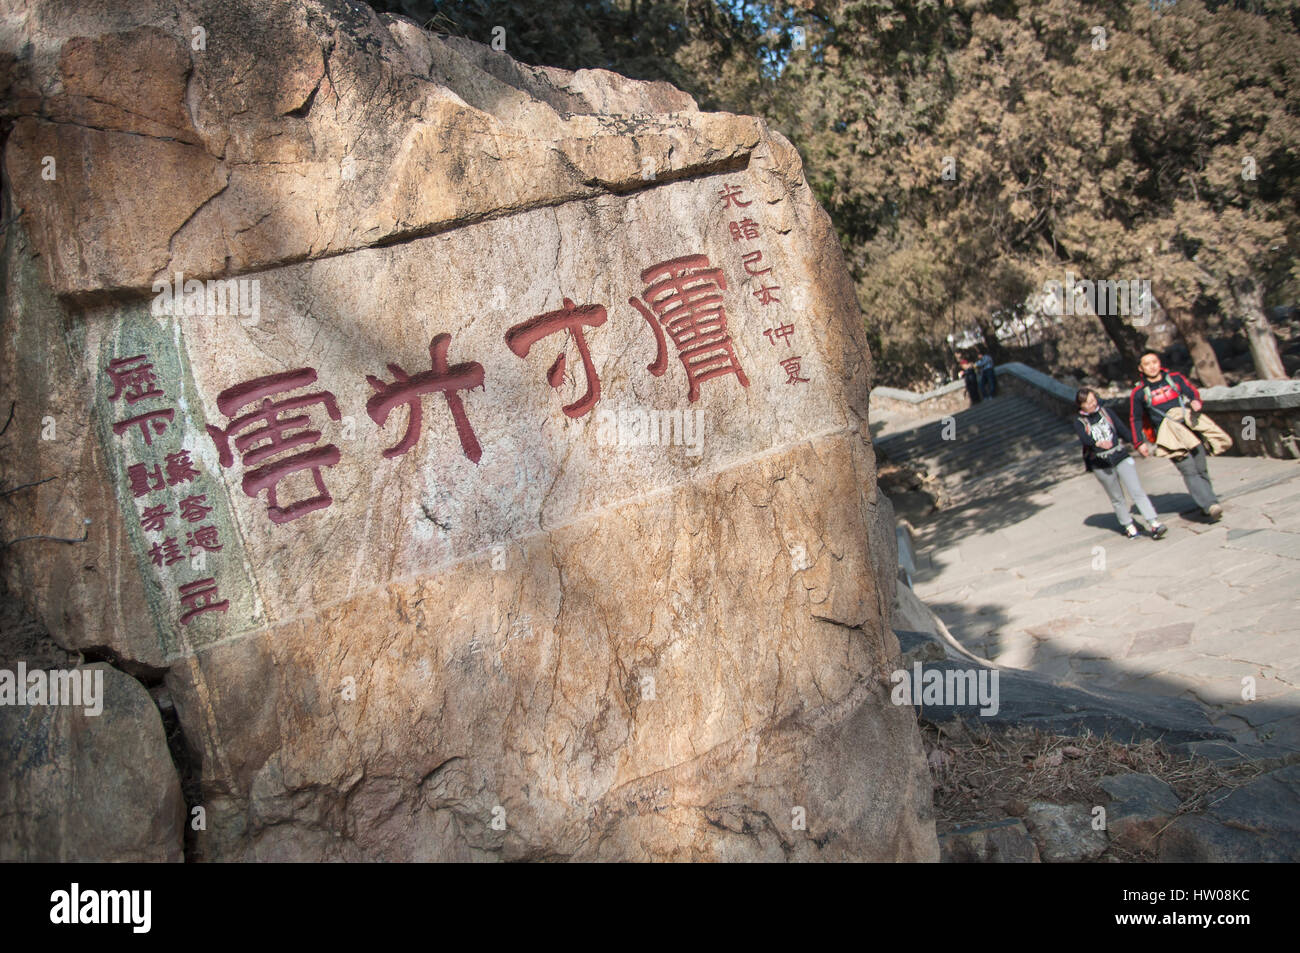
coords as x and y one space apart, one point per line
947 399
1263 417
1023 380
1013 377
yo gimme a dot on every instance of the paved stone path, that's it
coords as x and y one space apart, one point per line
1044 581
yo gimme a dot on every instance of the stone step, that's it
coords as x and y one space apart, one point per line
993 444
1015 417
982 455
1011 409
1005 445
1007 420
1015 479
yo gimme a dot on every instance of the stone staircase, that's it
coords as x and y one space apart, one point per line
1008 444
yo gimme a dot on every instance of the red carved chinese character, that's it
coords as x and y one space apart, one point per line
205 537
274 437
685 295
154 518
731 196
791 365
165 552
194 508
131 376
746 228
753 258
180 468
569 318
409 390
783 333
765 296
199 596
143 480
141 420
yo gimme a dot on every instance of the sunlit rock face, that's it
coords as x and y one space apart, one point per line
481 449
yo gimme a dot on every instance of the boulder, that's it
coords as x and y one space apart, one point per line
1141 808
481 449
1257 822
989 842
1064 833
85 785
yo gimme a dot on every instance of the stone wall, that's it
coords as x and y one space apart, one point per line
1263 417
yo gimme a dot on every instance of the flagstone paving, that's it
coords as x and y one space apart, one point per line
1044 581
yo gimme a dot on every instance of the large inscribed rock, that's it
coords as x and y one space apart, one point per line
481 449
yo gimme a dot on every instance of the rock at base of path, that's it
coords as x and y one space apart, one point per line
1064 832
918 647
1258 822
994 842
1197 838
1141 787
1142 806
90 788
1034 701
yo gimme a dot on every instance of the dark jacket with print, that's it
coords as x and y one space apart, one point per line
1149 402
1102 425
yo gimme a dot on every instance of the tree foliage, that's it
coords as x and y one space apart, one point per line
1104 138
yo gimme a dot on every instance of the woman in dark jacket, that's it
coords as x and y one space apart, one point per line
1105 454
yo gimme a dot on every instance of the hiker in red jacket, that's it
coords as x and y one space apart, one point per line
1160 390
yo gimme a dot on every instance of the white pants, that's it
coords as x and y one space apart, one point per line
1125 473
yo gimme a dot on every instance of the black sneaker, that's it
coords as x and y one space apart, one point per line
1131 531
1158 530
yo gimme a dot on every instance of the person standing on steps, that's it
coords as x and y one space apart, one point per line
1157 392
988 379
1105 455
969 375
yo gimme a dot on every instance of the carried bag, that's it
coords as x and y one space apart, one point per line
1174 439
1210 435
1206 432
